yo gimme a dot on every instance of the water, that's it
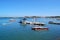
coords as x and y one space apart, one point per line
16 31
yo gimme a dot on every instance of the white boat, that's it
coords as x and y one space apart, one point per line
12 20
34 23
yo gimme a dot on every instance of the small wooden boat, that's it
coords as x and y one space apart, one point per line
39 28
50 22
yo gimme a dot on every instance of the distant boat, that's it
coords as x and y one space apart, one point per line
57 18
12 20
51 22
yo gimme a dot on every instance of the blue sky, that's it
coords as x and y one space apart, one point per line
18 8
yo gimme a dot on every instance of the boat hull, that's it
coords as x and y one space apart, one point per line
39 28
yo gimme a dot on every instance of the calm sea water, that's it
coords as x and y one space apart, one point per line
16 31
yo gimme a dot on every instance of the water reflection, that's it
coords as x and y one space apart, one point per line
23 25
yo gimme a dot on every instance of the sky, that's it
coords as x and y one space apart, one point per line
18 8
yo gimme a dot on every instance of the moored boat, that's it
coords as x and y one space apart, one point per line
51 22
34 23
12 20
24 21
39 28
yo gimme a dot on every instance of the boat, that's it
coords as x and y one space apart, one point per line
39 28
24 21
34 23
12 20
51 22
38 23
57 18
